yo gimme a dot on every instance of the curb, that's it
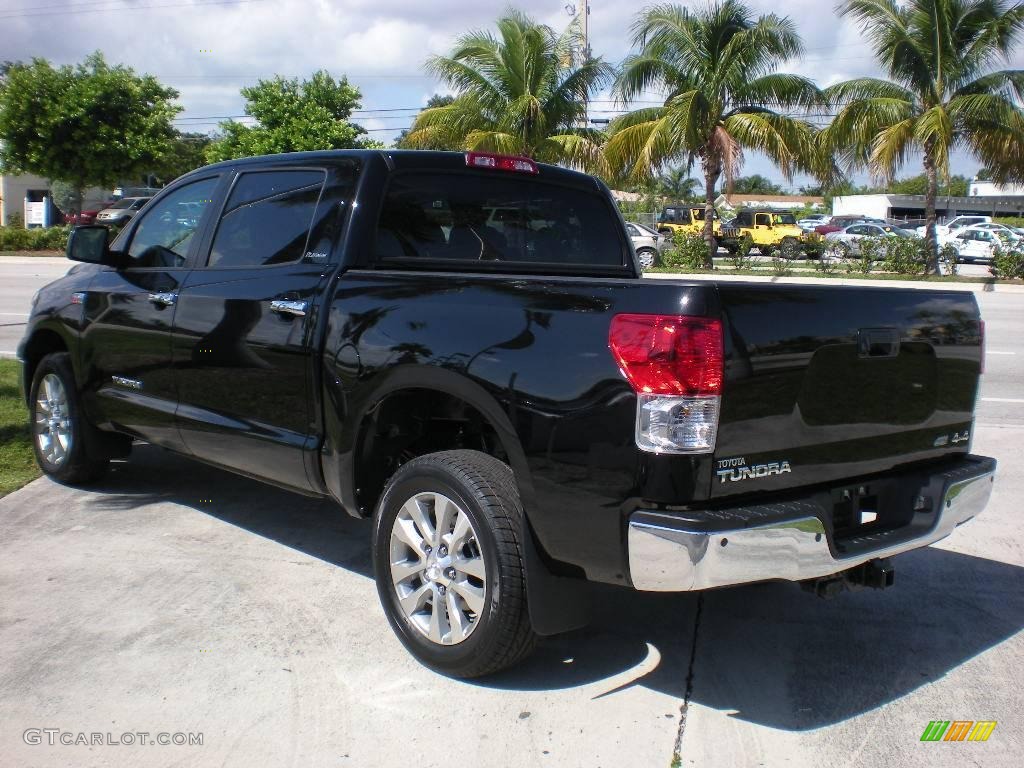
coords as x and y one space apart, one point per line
920 285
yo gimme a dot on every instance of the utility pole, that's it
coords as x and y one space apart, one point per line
585 14
582 11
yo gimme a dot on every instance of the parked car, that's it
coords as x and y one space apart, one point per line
121 212
837 223
846 241
686 218
83 217
808 223
1011 238
767 230
518 416
648 244
973 244
950 228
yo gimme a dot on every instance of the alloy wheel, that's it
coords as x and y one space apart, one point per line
53 420
437 568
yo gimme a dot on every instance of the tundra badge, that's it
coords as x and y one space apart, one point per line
737 469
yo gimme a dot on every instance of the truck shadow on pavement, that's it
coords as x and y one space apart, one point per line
770 654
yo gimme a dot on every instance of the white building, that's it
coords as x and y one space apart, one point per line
14 190
991 189
911 207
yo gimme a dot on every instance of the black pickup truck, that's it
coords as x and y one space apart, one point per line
462 348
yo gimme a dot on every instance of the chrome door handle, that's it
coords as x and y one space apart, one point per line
284 307
163 299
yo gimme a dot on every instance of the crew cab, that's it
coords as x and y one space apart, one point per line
515 408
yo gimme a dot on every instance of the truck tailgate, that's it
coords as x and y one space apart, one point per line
827 383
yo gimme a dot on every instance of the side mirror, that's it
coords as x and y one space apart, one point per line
89 244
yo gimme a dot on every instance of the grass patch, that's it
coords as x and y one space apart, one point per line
17 462
31 253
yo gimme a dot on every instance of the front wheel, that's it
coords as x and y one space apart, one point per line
648 257
59 424
448 561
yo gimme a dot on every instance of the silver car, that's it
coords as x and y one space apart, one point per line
647 243
122 211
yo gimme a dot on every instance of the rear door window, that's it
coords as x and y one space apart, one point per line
497 218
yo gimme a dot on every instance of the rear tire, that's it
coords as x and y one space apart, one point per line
448 561
61 434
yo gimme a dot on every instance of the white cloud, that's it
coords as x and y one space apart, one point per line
380 44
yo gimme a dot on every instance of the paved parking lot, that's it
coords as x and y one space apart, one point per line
177 598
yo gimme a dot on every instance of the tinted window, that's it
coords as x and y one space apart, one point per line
267 219
633 231
496 218
163 236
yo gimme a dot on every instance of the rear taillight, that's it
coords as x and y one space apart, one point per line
501 162
675 364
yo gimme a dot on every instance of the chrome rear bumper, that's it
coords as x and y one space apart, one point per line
667 555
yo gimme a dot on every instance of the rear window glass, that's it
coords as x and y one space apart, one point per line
499 218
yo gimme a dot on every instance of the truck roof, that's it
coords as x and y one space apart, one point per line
405 159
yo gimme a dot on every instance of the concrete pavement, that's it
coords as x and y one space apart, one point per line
178 598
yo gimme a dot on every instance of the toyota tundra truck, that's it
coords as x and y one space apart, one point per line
518 412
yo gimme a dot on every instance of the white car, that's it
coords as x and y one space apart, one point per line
846 241
121 212
1008 235
808 223
973 244
647 243
951 227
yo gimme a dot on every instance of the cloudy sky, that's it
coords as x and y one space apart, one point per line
208 49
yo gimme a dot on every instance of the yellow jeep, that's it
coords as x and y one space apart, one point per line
768 231
685 218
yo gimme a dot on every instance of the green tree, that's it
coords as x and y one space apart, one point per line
677 185
918 185
188 152
437 100
716 65
524 92
941 92
756 184
87 125
293 116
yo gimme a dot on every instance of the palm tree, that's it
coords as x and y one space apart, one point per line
942 92
677 184
717 67
524 92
